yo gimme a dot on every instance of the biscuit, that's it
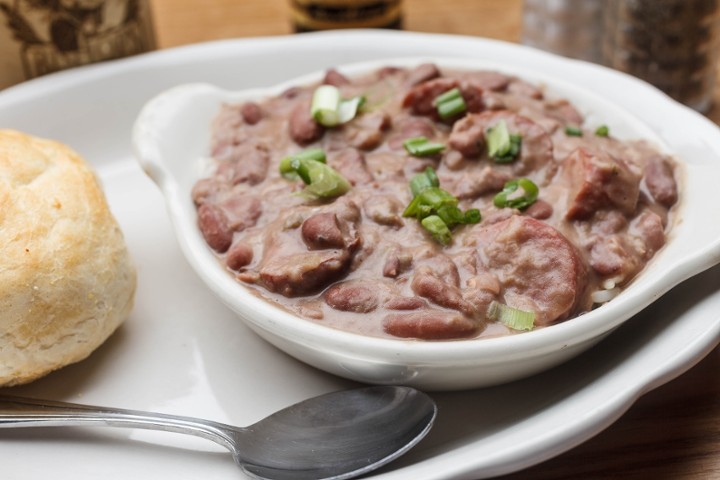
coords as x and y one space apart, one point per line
66 277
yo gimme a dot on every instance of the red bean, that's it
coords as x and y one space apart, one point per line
214 226
251 113
353 296
598 181
303 128
429 325
322 231
660 180
239 255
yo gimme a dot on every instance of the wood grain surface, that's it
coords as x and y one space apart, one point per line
672 432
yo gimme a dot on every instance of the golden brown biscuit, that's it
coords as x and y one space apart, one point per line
66 278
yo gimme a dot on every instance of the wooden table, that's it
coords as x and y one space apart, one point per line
673 432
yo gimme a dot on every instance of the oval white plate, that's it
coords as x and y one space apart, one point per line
171 140
183 352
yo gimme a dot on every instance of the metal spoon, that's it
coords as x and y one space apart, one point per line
334 436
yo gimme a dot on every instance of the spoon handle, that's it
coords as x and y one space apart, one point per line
28 412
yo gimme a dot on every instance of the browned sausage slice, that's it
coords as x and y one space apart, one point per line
598 181
538 268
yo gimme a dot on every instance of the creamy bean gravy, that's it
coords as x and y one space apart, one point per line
355 263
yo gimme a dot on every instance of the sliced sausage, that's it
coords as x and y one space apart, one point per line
538 268
597 181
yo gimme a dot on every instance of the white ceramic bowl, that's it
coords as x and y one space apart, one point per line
171 141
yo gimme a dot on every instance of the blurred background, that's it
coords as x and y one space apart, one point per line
670 43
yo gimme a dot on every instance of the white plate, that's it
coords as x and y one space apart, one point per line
183 352
171 140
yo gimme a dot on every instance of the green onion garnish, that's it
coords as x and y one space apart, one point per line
573 131
321 179
422 147
450 104
424 180
289 165
437 228
512 317
435 208
428 201
602 131
530 190
329 110
349 108
503 147
472 216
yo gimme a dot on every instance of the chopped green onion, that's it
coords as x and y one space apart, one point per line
451 215
325 105
602 131
432 197
349 108
424 180
437 228
472 216
512 317
531 190
289 165
573 131
422 147
503 147
329 110
437 209
447 96
450 104
325 181
321 179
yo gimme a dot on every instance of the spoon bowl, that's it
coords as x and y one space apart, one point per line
338 435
